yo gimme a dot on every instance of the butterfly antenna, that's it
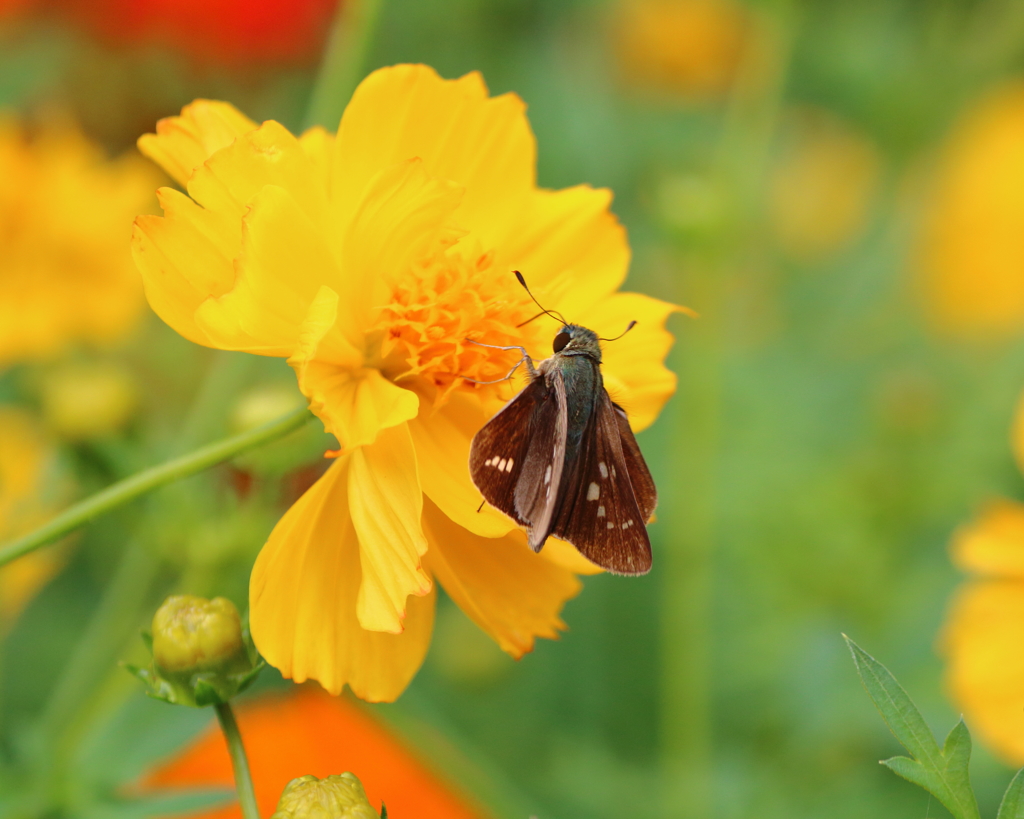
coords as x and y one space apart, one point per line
543 310
632 324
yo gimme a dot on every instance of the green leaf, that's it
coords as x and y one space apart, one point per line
383 811
1012 806
942 772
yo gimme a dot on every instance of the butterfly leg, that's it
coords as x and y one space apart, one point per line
526 358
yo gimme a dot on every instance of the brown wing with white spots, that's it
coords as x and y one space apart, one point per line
537 490
639 475
499 450
603 519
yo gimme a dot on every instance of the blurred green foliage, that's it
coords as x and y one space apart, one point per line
820 450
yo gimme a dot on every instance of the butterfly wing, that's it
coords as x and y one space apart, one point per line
504 454
603 518
639 475
538 487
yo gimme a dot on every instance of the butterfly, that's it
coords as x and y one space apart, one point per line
560 458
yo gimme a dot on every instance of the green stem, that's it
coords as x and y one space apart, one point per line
239 762
344 63
146 481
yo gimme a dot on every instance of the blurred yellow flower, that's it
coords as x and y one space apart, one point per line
88 399
985 626
984 630
689 48
822 185
25 461
368 260
970 255
65 273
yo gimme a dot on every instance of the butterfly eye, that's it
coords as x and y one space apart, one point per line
560 341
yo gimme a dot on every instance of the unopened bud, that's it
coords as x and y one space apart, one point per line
201 653
192 633
333 797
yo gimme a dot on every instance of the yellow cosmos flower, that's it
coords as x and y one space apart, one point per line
65 273
985 626
689 48
984 630
822 185
970 253
25 461
368 260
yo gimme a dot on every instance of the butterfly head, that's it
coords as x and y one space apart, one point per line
573 339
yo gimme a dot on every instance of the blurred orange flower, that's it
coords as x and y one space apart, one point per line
65 271
218 31
984 629
308 732
822 185
369 260
970 254
689 48
27 496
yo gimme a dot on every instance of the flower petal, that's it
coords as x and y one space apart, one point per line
265 309
183 143
319 147
568 557
442 437
402 215
993 545
184 257
483 144
634 366
510 592
387 503
302 600
269 155
354 402
985 671
570 247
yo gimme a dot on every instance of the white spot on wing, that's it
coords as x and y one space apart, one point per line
611 525
547 474
600 511
501 465
604 469
508 466
593 491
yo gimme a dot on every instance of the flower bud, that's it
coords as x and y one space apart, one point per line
333 797
88 400
201 653
190 633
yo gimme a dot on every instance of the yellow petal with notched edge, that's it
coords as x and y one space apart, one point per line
993 545
354 402
442 438
302 602
265 309
386 500
510 592
634 366
568 557
182 143
569 246
184 257
269 155
483 144
985 672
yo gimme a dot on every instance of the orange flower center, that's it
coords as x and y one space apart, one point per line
436 311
